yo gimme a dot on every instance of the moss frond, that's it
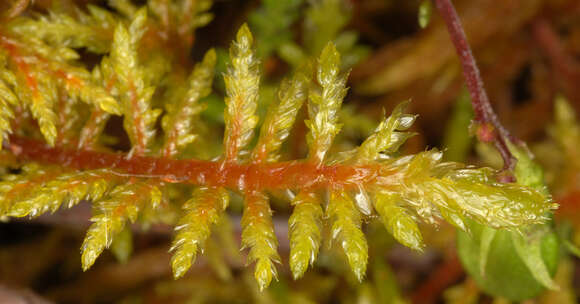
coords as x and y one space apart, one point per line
111 214
127 186
16 187
305 232
200 212
177 123
7 100
430 186
346 230
398 221
324 105
90 132
135 93
281 117
388 136
92 30
242 83
258 235
68 189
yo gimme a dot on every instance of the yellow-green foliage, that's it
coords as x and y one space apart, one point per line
201 212
133 79
7 98
139 120
38 73
68 189
397 220
429 186
178 122
281 116
15 187
346 230
242 84
91 30
258 235
387 138
123 203
323 106
305 232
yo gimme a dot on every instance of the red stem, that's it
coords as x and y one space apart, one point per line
484 116
243 177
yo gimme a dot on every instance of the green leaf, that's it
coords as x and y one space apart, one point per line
487 236
530 251
528 172
505 274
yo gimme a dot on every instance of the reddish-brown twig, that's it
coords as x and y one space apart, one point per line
489 128
251 177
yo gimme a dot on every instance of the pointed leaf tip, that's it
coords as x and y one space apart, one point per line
244 35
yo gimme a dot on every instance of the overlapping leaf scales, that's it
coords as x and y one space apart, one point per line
305 232
325 103
397 220
44 75
258 235
346 231
7 100
92 31
39 92
79 83
242 84
388 136
178 122
16 187
193 229
111 214
94 126
135 91
68 189
281 116
433 188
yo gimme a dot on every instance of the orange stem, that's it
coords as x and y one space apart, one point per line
242 177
